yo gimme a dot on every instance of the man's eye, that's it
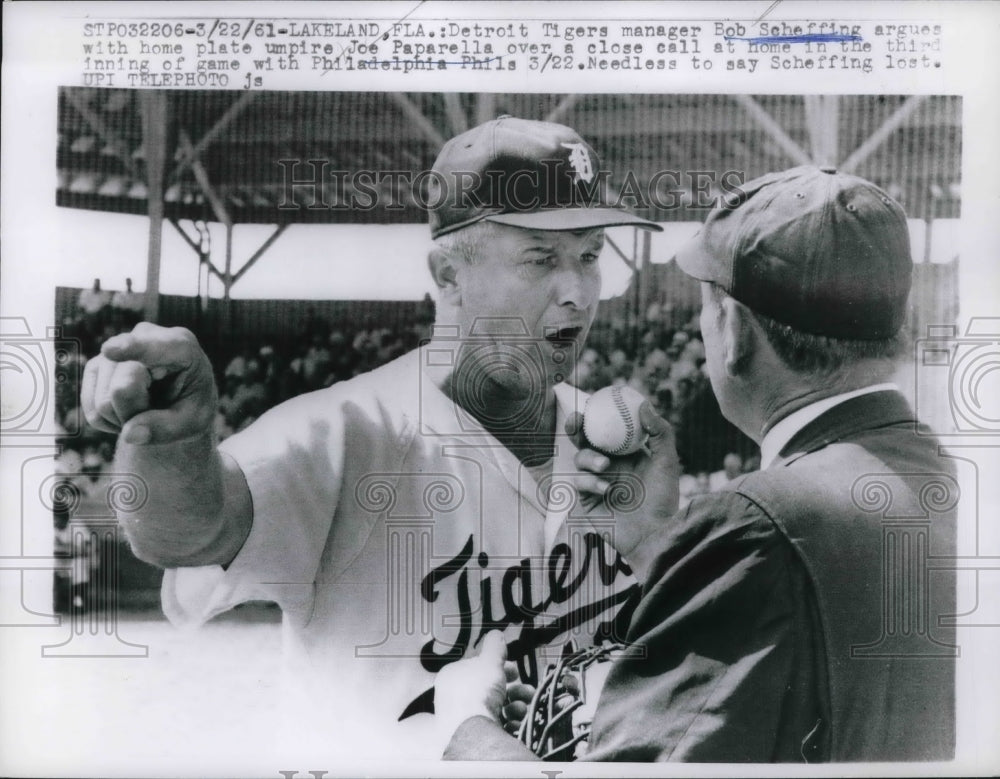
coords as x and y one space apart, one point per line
542 261
590 258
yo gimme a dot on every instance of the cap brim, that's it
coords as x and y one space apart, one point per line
697 262
574 219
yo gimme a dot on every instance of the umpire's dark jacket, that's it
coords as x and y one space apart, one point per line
797 615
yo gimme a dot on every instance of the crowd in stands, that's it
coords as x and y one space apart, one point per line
258 377
101 314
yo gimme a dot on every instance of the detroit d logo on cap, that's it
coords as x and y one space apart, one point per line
579 160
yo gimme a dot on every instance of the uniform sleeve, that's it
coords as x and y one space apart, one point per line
711 644
292 458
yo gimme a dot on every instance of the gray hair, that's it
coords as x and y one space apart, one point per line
820 355
467 242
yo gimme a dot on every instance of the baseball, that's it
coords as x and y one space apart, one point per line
611 420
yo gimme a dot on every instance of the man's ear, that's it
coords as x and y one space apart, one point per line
738 337
445 275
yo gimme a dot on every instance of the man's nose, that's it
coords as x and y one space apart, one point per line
576 287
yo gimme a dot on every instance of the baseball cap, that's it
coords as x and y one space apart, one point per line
823 252
523 173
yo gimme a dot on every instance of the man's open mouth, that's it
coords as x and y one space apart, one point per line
554 335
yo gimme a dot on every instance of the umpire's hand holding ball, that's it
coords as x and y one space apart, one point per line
640 490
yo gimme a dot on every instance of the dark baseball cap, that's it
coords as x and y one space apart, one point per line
823 252
523 173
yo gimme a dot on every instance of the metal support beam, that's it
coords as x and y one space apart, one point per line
486 107
104 133
227 274
455 113
223 122
201 176
620 253
222 275
777 133
652 119
260 252
832 103
887 128
197 249
154 110
187 238
637 297
415 115
823 120
739 149
633 264
564 107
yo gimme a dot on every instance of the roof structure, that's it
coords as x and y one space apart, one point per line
250 147
285 158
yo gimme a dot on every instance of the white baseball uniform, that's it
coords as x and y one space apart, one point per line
394 531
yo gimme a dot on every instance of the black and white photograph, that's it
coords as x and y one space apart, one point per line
455 388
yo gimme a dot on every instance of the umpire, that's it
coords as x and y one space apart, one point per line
794 615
